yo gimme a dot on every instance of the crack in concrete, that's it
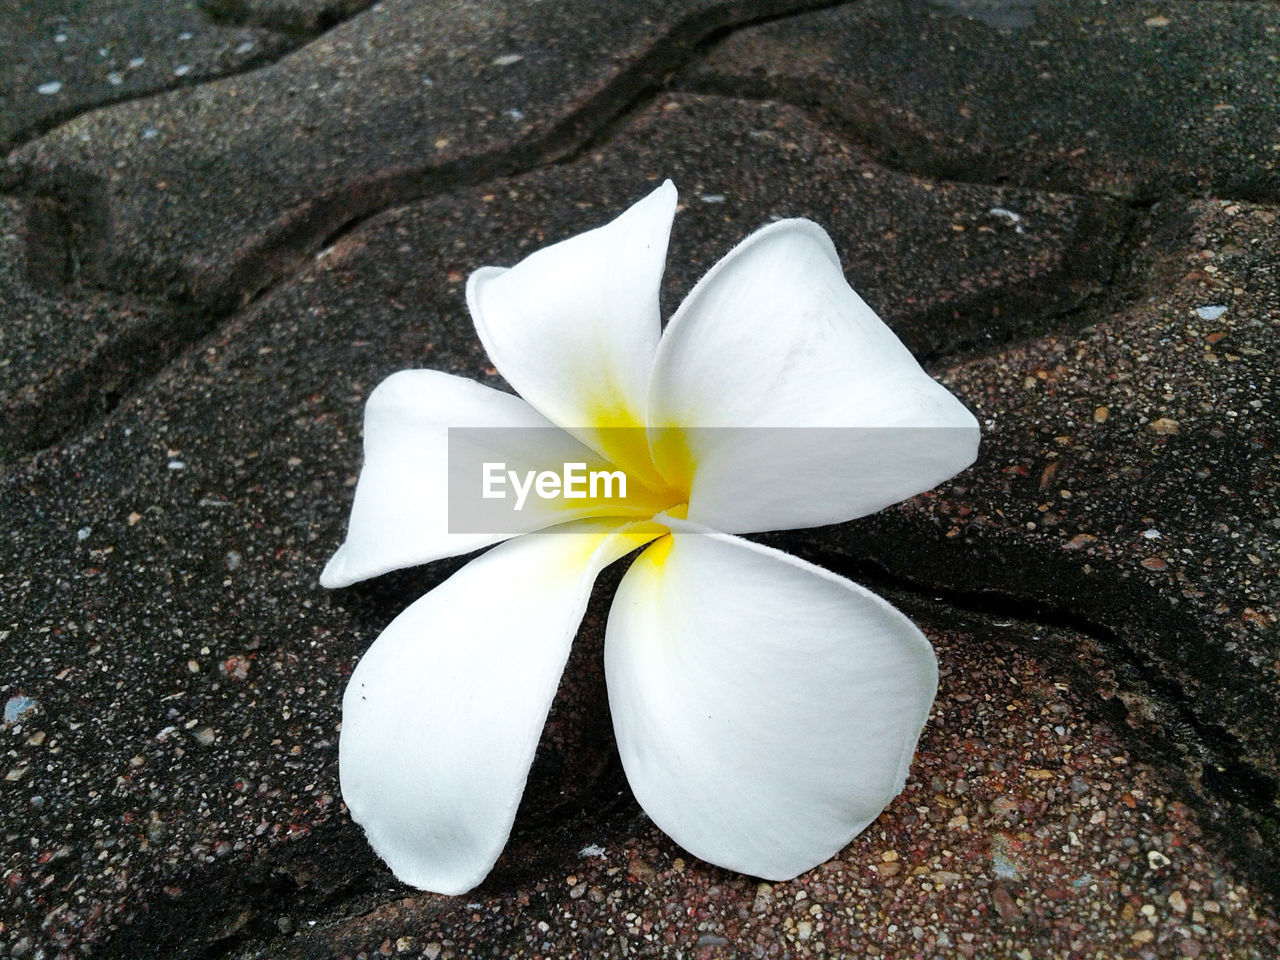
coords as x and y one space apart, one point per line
281 18
1117 287
978 169
594 132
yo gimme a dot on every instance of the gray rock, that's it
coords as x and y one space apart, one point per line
1122 98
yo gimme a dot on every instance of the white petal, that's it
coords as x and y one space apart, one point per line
400 516
442 714
773 343
766 710
574 327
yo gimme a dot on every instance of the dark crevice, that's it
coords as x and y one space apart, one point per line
890 141
913 151
318 919
1103 251
302 22
96 386
331 878
209 913
661 81
63 232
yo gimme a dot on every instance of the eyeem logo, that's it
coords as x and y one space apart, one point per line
509 480
513 480
574 482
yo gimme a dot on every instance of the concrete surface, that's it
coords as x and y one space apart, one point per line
192 319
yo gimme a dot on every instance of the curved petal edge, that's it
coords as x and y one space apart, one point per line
766 710
443 713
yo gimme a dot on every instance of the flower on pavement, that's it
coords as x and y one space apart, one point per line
766 710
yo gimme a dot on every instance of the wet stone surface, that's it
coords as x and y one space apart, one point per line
1132 99
58 59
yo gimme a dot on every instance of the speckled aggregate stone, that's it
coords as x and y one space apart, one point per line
1025 830
58 58
739 165
987 277
1098 779
164 616
226 184
977 276
1135 99
65 353
1128 476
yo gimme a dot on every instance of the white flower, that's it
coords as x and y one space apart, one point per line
766 710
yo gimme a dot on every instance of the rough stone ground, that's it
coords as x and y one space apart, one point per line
1068 209
61 59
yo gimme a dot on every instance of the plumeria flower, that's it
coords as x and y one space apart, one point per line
766 710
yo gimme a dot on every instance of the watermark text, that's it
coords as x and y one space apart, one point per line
573 482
